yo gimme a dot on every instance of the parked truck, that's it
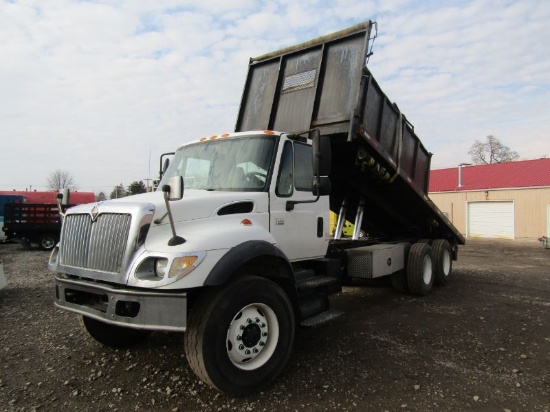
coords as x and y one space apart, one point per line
34 217
28 223
5 199
234 249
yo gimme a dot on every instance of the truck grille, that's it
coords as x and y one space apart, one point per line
98 245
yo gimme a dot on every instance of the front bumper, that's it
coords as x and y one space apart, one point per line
131 308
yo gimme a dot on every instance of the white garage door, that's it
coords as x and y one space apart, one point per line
491 219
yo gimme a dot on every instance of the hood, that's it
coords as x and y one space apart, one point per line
195 204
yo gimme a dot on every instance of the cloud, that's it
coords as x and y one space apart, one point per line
98 88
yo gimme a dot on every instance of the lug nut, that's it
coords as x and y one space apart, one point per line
249 320
239 337
247 352
264 334
263 325
241 347
256 350
257 320
262 343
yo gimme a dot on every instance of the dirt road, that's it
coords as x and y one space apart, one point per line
481 343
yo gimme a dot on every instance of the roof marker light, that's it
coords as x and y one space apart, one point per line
269 132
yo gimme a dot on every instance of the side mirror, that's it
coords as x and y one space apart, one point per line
165 165
321 153
321 186
173 189
62 199
63 196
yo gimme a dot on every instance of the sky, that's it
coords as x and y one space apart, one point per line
100 89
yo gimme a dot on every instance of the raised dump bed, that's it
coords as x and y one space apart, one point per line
378 160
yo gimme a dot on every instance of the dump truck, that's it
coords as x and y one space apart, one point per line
234 248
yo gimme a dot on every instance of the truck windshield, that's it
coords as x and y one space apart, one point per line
238 164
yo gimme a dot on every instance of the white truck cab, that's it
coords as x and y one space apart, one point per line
246 202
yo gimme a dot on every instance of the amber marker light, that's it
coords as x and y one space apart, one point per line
246 222
202 139
225 135
181 266
269 132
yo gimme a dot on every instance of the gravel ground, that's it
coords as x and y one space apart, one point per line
481 343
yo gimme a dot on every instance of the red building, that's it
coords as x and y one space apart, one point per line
503 200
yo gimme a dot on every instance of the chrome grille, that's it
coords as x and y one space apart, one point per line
98 245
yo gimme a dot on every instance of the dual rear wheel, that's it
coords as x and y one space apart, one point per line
425 266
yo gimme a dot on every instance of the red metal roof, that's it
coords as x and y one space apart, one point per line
525 173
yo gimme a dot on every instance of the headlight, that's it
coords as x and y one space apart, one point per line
160 267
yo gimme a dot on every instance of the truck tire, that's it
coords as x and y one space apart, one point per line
443 261
399 279
239 336
420 276
47 241
112 335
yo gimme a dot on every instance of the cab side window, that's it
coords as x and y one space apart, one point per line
303 169
284 180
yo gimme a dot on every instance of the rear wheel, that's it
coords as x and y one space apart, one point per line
112 335
443 261
47 241
239 337
399 279
420 276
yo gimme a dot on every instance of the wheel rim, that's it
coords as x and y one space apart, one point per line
48 242
252 336
427 270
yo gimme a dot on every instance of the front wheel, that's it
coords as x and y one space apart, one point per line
239 337
112 335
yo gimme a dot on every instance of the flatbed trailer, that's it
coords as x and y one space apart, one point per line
29 223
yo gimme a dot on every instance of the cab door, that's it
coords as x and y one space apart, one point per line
303 231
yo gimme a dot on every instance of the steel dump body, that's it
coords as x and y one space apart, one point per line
376 156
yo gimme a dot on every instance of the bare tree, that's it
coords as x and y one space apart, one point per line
61 179
491 151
